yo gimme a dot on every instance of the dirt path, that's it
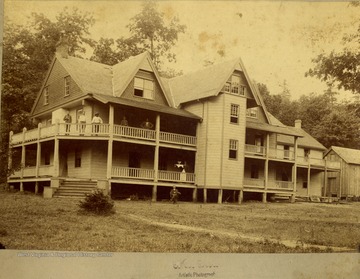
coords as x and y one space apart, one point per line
212 233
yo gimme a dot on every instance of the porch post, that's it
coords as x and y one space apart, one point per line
194 195
56 157
308 179
156 157
264 197
110 144
23 151
220 194
10 151
205 195
294 169
38 153
266 171
241 196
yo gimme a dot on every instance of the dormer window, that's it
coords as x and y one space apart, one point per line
251 112
67 86
144 88
234 87
46 95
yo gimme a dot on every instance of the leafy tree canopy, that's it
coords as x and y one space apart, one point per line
148 31
341 68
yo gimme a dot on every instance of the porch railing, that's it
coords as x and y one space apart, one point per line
281 154
30 171
133 132
275 184
255 149
76 129
254 182
149 174
133 173
177 138
176 176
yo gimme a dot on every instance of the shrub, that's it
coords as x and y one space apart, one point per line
97 203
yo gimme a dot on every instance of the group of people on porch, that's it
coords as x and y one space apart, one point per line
96 123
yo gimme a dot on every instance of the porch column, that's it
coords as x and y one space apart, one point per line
110 144
38 153
156 157
10 151
266 170
23 152
294 173
308 179
264 197
56 157
36 187
241 196
205 195
220 194
194 195
325 179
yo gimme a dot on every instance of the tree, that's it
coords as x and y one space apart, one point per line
341 68
27 53
148 31
340 128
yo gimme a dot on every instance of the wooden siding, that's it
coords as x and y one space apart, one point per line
85 170
233 169
56 85
159 97
99 159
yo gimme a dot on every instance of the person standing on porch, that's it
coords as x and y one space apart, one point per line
67 120
96 121
82 122
147 124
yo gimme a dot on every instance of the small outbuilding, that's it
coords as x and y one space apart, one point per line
345 183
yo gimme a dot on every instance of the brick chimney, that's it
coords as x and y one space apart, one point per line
62 47
298 123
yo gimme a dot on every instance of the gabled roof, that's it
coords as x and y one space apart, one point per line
97 78
91 77
281 130
350 156
305 140
203 83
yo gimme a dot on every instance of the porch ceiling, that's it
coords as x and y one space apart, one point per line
153 107
272 128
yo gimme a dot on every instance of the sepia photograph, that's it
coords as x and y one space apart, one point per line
180 139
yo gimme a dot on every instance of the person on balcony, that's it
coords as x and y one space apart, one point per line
82 122
174 195
96 121
147 124
67 120
124 122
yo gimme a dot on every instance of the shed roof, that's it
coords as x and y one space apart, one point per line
153 107
350 156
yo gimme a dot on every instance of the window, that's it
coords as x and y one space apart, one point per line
251 112
234 113
233 86
286 152
67 85
77 158
233 149
144 88
46 95
306 153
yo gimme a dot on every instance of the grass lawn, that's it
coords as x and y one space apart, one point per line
29 222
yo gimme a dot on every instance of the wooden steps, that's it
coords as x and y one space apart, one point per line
75 188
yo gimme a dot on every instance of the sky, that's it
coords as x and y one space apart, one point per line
276 40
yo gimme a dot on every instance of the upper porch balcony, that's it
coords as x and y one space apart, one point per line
257 151
100 130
